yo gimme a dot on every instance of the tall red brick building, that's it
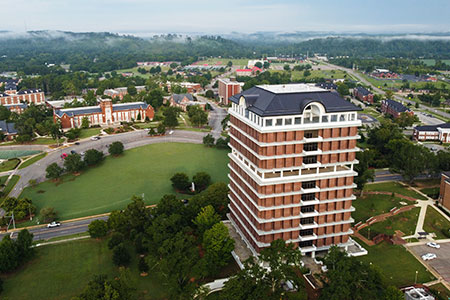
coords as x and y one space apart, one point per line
291 166
227 88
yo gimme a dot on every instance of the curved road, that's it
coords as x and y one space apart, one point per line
129 139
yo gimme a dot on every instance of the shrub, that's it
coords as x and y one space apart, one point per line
115 148
98 229
180 181
48 214
208 140
116 239
93 157
73 163
121 256
53 171
201 180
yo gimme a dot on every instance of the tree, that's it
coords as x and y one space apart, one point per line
209 94
343 89
85 123
258 64
116 148
180 181
222 143
116 239
73 133
286 67
100 287
405 119
53 171
24 245
73 163
410 159
364 172
197 115
161 128
5 113
266 65
151 131
48 214
121 256
208 140
93 157
143 265
98 228
229 63
389 94
131 89
56 132
201 180
258 282
393 293
218 246
8 255
206 218
306 73
171 117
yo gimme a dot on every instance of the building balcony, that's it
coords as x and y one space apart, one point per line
310 237
309 214
312 152
307 249
310 190
310 202
316 139
309 225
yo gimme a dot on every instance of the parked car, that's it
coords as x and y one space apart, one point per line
77 143
433 245
72 152
429 256
53 224
95 138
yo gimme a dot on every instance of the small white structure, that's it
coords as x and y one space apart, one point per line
413 293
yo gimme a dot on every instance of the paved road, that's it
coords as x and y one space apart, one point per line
66 228
130 140
215 118
376 89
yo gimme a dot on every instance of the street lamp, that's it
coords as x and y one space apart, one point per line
415 281
368 233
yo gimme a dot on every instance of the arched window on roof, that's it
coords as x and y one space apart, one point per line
313 112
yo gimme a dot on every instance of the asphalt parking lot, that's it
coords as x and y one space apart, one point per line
441 264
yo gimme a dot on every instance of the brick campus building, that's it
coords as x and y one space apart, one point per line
104 114
291 166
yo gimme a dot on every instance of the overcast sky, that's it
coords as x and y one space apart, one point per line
210 16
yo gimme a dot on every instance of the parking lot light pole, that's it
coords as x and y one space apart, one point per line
415 281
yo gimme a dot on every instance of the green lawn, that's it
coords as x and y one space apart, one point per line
32 160
242 62
9 164
432 192
393 186
432 62
440 289
405 222
372 205
335 74
62 271
7 154
435 222
11 184
396 264
144 170
85 133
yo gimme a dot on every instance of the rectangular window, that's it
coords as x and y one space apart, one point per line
324 119
308 197
309 184
298 121
287 121
306 232
342 118
305 221
310 147
334 118
311 134
307 209
269 122
352 117
305 244
279 122
310 159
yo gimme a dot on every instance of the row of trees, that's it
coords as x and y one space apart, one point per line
14 253
221 143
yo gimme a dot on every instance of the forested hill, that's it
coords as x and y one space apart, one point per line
99 52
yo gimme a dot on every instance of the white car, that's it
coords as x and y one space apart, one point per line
429 256
53 224
433 245
95 138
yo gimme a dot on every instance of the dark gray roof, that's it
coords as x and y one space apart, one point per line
21 105
178 97
30 91
266 103
363 91
432 127
71 112
397 106
131 105
7 128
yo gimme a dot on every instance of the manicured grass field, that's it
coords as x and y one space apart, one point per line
32 160
435 222
9 164
372 205
432 62
396 264
431 192
440 289
393 187
336 74
85 133
62 271
12 182
242 62
144 170
405 222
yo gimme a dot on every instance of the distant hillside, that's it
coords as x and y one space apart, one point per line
99 52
